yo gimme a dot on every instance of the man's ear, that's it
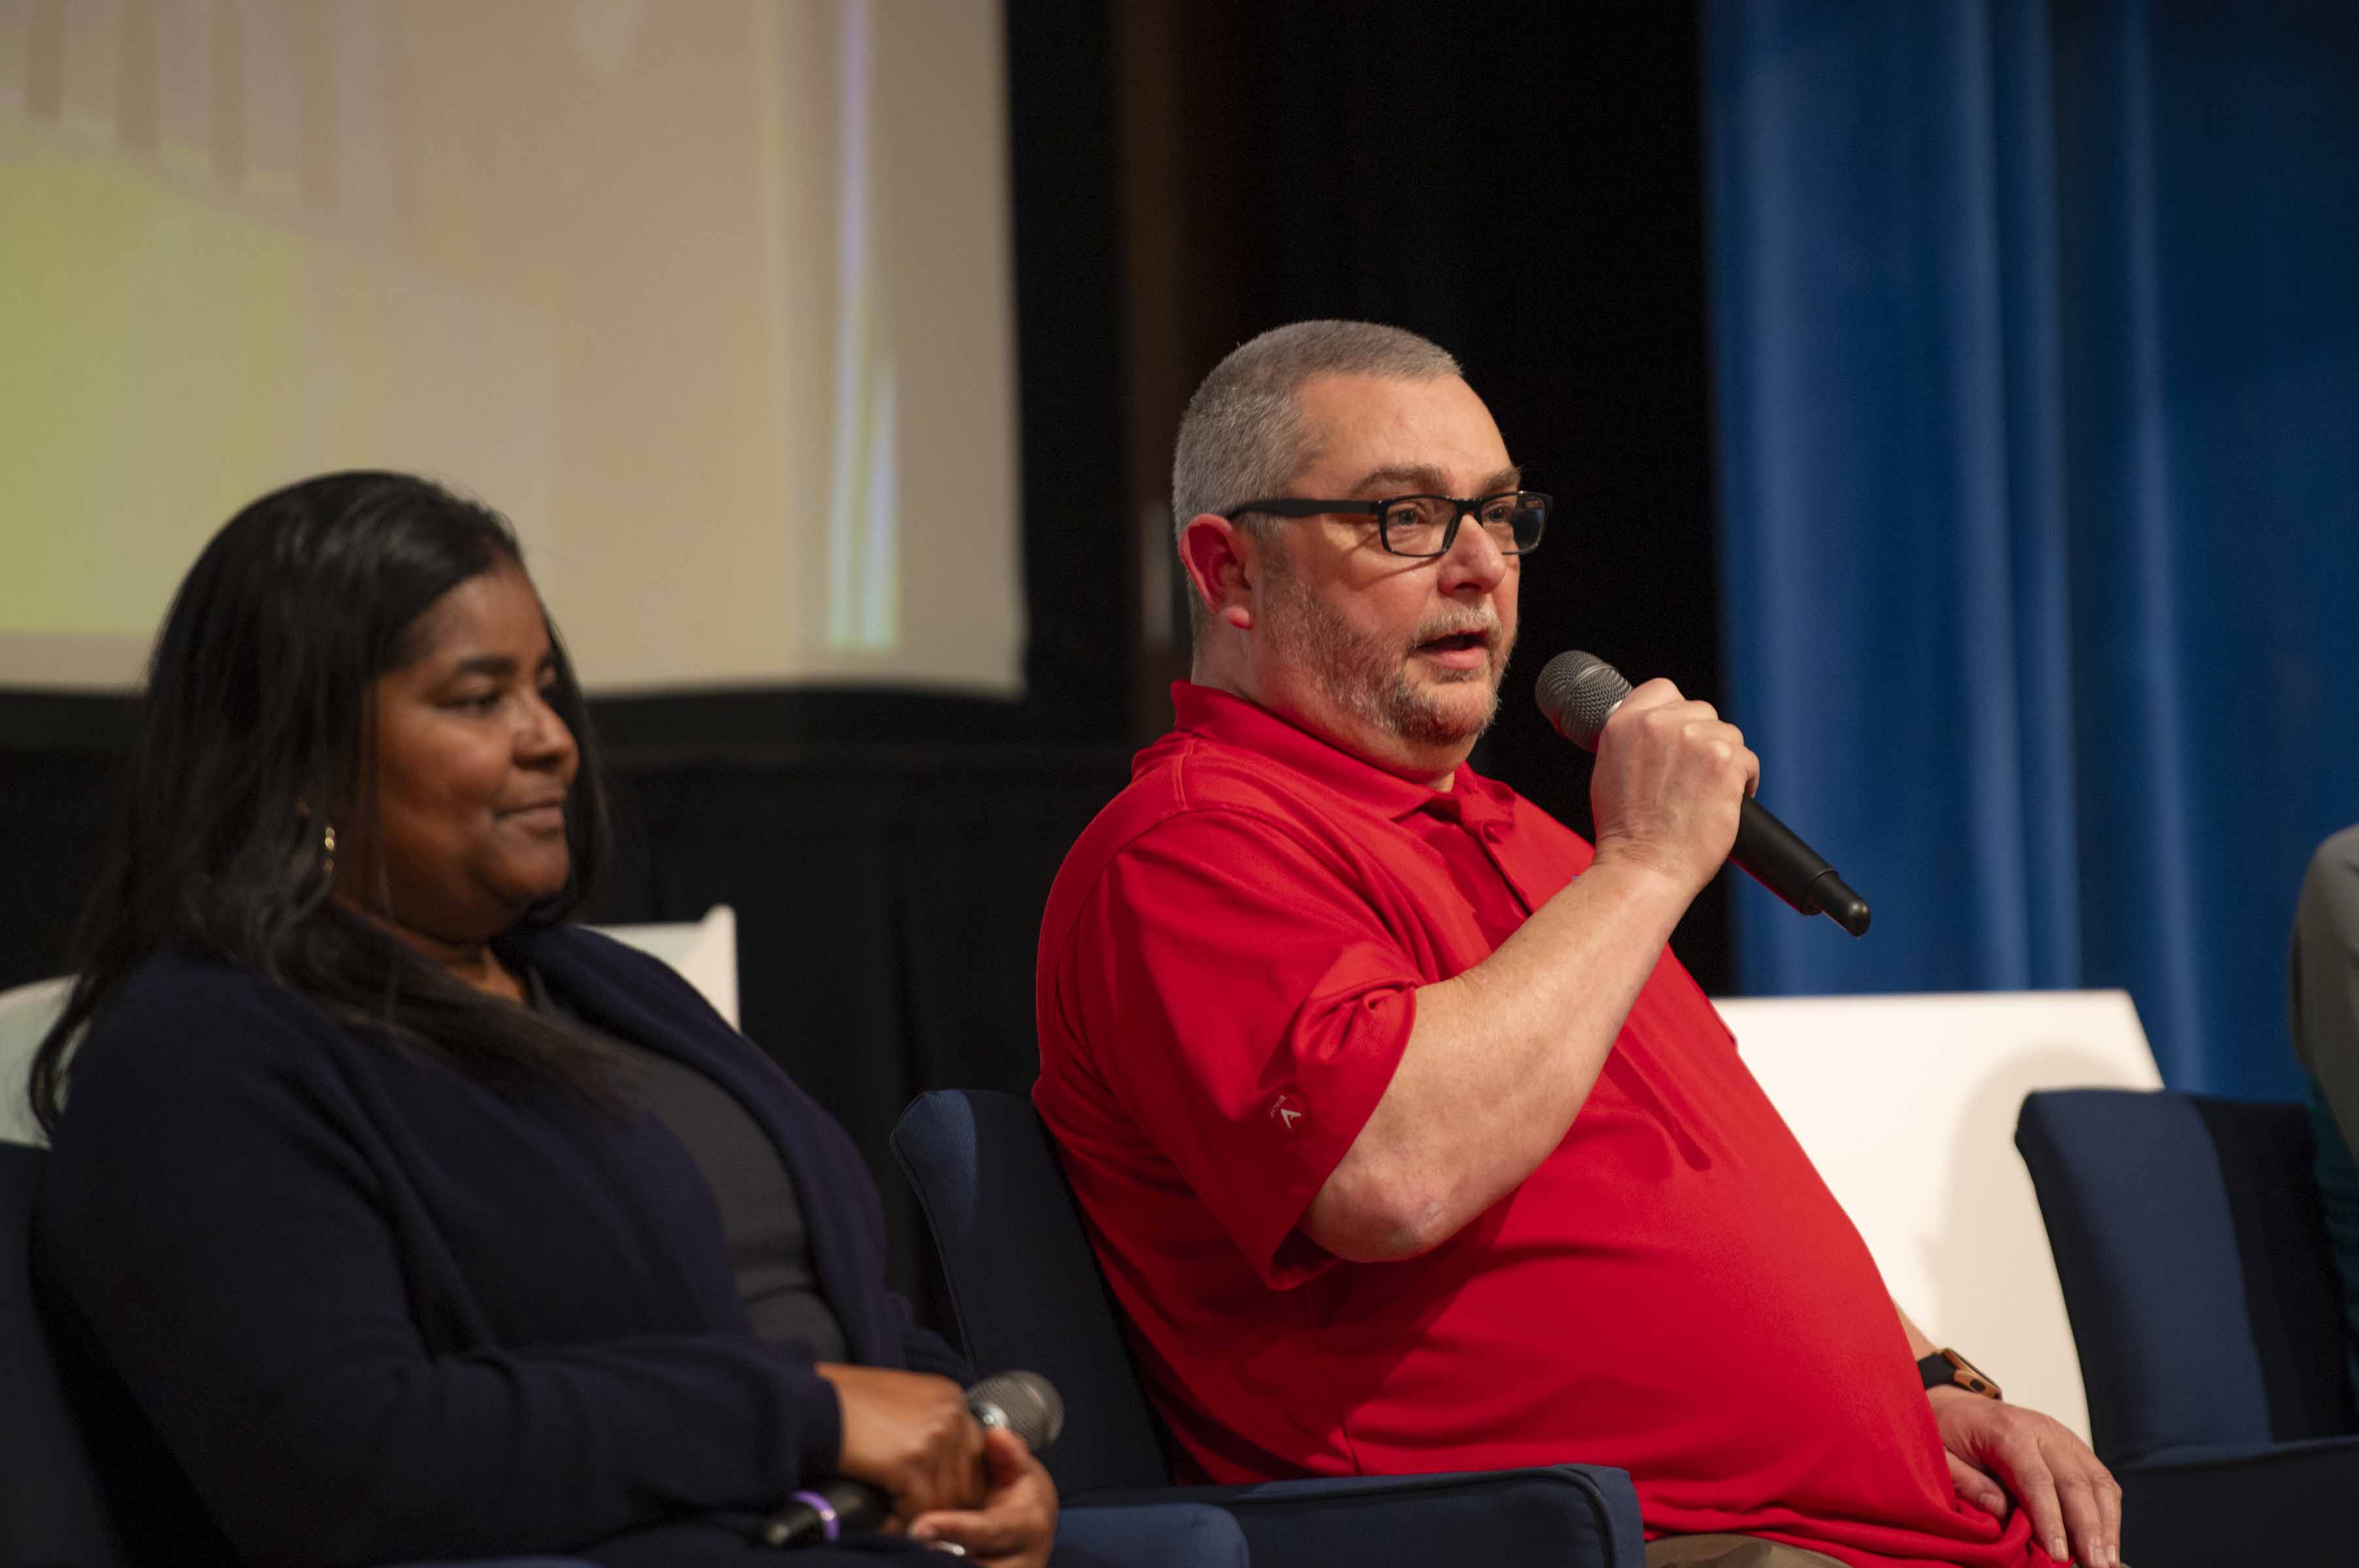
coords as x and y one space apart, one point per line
1219 559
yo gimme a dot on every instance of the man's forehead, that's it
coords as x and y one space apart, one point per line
1385 433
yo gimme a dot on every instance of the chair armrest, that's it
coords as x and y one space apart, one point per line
1154 1533
508 1562
2279 1502
1157 1534
1556 1516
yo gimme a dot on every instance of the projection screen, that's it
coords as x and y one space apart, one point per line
714 301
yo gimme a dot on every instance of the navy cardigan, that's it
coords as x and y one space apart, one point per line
373 1310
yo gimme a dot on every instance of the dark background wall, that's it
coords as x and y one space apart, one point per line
1185 174
1526 196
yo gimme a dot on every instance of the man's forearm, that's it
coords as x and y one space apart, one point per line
1919 1347
1500 1060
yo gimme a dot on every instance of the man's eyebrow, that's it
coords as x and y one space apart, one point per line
1421 479
1401 478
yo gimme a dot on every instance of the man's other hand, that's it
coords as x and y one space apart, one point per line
1997 1449
1017 1520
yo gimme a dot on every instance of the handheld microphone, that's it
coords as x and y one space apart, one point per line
1025 1403
1578 692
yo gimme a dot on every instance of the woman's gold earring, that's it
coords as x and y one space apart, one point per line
328 849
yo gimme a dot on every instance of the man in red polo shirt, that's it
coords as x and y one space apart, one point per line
1403 1139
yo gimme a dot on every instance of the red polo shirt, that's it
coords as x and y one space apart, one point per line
1228 972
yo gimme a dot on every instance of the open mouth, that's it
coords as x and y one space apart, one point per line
1457 642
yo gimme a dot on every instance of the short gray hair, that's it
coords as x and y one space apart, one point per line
1244 435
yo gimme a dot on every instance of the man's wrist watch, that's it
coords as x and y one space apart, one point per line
1947 1369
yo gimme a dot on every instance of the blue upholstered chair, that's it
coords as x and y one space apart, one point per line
2189 1241
55 1509
50 1509
1028 1293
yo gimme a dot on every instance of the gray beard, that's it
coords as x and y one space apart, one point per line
1368 677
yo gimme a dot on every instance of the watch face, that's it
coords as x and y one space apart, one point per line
1961 1373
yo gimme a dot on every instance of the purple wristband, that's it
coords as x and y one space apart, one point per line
829 1527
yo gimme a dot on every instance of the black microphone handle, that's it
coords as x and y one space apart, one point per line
1775 857
817 1514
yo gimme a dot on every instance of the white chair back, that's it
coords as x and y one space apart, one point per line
704 952
1907 1104
26 1014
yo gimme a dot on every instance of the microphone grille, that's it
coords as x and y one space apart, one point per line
1025 1402
1578 692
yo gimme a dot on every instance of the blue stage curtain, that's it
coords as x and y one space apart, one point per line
2036 336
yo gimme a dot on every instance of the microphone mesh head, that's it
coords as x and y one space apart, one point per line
1578 692
1025 1403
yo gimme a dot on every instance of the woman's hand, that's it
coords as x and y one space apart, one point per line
1017 1520
909 1435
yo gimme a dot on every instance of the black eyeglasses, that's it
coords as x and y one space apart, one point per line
1423 526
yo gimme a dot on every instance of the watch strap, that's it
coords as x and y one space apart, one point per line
1945 1369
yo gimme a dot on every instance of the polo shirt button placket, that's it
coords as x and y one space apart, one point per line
1490 835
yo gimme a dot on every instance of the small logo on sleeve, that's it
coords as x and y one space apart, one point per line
1285 1110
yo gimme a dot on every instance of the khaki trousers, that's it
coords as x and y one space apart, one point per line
1731 1551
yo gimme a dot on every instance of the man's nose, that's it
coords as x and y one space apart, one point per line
1474 559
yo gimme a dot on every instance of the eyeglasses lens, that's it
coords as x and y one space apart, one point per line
1418 524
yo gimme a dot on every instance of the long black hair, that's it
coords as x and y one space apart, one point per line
256 735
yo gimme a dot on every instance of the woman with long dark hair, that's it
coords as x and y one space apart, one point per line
398 1218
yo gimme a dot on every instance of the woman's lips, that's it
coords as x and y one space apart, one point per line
547 817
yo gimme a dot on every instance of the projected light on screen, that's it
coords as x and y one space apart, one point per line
862 610
665 283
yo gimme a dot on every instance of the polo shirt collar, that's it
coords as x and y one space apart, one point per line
1231 720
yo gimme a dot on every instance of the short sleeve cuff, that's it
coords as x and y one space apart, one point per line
1313 1122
